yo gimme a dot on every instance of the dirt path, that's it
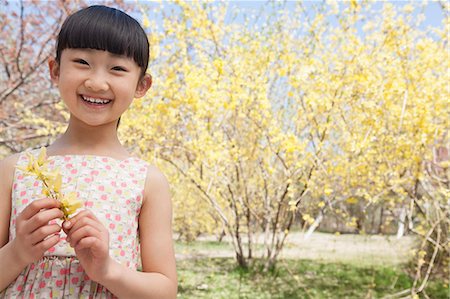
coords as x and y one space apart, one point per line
359 249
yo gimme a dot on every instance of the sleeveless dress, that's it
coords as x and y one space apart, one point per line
113 189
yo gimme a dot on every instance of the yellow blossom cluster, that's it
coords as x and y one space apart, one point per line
51 183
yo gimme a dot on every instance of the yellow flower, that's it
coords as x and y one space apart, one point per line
69 204
36 166
52 182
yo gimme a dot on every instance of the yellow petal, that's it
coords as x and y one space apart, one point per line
57 183
69 204
42 156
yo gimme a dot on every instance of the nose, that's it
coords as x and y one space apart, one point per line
97 83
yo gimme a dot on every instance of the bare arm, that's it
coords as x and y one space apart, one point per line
158 278
32 228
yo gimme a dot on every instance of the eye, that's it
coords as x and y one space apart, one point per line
81 61
119 69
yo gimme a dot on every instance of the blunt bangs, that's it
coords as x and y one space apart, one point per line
104 28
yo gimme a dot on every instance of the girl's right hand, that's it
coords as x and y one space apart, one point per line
34 234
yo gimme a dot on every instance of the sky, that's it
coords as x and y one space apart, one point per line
433 11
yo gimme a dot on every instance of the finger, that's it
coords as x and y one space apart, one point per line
81 220
84 232
42 218
85 243
81 215
47 243
86 221
44 232
37 205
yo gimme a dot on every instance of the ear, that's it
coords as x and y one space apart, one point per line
53 66
143 86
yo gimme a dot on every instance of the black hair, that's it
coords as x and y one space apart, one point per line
104 28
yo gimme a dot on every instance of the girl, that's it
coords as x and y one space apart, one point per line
100 66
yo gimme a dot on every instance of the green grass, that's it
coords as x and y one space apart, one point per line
221 278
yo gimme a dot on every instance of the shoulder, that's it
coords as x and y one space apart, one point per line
7 166
155 179
156 187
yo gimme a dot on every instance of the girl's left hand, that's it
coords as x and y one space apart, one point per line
90 239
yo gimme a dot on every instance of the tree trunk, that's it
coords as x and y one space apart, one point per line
314 226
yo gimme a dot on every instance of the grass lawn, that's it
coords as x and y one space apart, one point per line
203 275
220 278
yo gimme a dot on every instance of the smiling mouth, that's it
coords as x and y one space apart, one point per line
95 101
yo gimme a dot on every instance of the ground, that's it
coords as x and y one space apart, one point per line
360 249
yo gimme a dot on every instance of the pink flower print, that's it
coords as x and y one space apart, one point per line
75 280
124 185
122 253
24 201
89 204
64 271
36 184
101 188
117 217
48 274
51 250
20 177
120 238
15 186
67 159
80 269
23 193
112 226
104 197
108 167
94 172
87 180
105 160
19 288
119 191
108 216
74 171
113 183
83 163
69 165
42 284
59 283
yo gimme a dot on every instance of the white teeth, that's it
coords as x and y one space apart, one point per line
95 101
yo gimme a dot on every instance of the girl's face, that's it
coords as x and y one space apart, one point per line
97 86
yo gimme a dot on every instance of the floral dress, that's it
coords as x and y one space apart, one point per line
113 190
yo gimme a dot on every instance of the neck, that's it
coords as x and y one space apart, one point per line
80 138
